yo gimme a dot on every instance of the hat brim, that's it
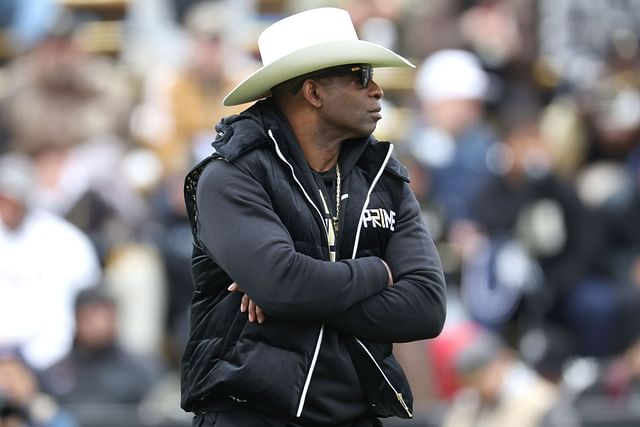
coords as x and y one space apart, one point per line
258 85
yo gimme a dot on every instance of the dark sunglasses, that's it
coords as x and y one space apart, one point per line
364 72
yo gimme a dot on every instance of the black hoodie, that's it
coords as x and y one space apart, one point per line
257 220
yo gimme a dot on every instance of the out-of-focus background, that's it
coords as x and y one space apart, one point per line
520 127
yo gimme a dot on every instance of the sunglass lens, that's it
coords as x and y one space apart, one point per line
366 73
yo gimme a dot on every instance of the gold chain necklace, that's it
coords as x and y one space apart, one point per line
331 222
336 218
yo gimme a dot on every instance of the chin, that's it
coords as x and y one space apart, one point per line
371 130
361 132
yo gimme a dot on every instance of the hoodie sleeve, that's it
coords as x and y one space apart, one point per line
240 231
415 306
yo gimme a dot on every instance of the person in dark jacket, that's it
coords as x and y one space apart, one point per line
98 370
310 254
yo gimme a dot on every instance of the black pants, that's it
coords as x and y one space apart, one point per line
254 419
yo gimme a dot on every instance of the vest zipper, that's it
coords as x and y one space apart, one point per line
316 352
307 381
353 255
396 392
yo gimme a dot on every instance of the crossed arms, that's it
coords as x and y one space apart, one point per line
241 232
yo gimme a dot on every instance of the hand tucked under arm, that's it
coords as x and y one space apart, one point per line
254 312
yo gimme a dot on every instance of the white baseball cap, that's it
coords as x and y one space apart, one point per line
451 74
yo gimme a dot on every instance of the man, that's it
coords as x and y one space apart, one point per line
99 370
498 388
46 261
310 255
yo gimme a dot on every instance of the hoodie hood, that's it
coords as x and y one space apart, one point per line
241 133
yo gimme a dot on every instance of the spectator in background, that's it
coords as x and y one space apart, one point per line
98 370
496 30
452 147
614 385
454 143
45 262
376 21
499 390
65 108
22 403
431 26
530 208
80 95
609 184
612 108
179 104
60 95
575 37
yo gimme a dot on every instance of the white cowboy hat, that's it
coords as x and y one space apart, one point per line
306 42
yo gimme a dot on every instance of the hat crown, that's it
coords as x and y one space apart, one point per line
305 29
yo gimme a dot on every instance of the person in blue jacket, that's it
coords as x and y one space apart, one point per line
310 254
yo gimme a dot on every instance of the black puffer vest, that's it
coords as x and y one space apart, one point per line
266 367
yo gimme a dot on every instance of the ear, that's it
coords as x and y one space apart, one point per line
311 93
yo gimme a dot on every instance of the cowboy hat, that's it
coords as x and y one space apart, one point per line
305 42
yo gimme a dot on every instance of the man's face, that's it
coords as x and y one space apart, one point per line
96 325
12 211
349 108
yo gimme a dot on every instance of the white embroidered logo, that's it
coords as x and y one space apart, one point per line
379 217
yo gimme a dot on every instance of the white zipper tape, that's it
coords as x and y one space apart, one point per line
366 202
398 395
353 255
316 352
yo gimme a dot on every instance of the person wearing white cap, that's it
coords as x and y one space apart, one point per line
453 142
45 261
310 257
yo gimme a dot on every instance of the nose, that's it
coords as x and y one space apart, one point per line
375 90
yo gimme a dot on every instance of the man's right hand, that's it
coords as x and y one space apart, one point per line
246 304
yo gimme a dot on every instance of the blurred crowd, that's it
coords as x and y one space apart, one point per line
520 127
